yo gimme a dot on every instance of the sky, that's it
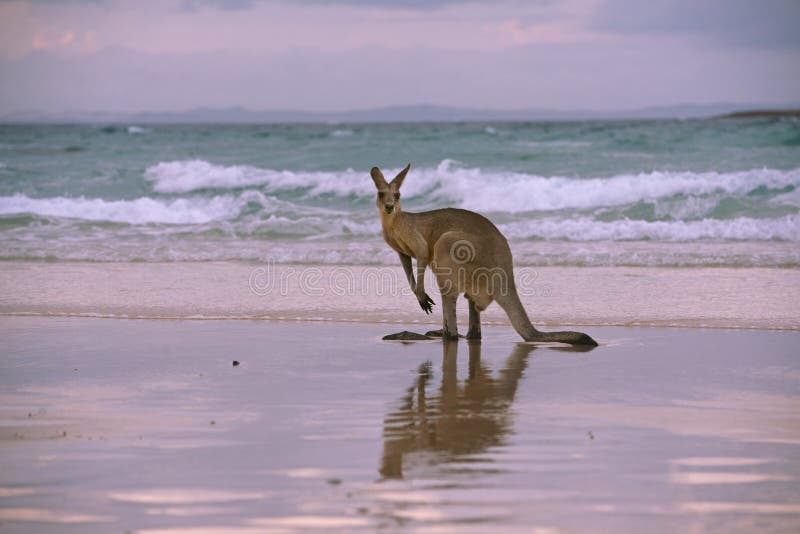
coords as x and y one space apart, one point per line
336 55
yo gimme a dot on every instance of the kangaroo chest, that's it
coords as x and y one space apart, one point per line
397 243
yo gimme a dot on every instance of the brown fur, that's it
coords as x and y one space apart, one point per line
467 254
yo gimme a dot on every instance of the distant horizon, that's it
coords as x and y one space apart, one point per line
399 113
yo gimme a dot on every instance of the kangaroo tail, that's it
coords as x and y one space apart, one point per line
566 336
522 324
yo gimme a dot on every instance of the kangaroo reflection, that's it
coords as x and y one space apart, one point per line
458 419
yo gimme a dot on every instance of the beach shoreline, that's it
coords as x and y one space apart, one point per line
149 426
689 297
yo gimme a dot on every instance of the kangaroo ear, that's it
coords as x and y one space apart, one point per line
398 180
377 177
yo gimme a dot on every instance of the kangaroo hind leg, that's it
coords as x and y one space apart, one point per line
449 324
474 331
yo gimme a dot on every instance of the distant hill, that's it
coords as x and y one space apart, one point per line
421 113
754 114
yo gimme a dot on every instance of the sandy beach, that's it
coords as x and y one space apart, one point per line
711 297
148 426
234 397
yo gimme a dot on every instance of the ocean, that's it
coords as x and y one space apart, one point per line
716 192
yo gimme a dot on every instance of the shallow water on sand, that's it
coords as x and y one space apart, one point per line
147 426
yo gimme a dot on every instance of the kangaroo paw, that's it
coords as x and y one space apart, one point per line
426 303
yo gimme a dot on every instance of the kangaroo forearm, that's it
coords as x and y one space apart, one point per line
411 282
421 266
420 287
405 261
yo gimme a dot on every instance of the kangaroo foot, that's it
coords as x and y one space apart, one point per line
474 334
440 333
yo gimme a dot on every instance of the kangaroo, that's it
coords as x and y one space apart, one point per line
467 254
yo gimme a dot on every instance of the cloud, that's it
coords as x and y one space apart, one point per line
339 54
399 4
608 75
407 5
747 23
372 4
269 26
225 5
52 2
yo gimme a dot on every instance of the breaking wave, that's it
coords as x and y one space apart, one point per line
785 228
477 189
138 211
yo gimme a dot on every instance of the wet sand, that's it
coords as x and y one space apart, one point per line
712 297
147 426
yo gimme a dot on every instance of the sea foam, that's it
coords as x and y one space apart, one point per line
194 175
137 211
249 213
785 228
475 188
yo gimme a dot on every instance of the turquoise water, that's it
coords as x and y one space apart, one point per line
699 192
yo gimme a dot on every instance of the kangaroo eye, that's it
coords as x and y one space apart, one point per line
397 196
380 195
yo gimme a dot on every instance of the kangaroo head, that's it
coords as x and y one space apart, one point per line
388 199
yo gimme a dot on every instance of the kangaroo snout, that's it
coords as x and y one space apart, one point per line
388 208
